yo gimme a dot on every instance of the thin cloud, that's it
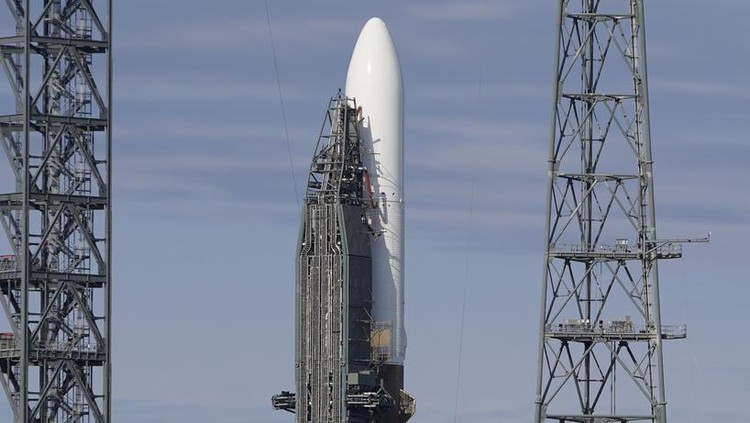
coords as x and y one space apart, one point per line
479 87
200 35
229 34
734 90
473 146
196 88
150 411
183 130
461 12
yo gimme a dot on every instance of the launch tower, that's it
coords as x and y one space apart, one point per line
55 274
337 379
601 333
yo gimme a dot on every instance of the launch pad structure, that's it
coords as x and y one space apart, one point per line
55 209
601 334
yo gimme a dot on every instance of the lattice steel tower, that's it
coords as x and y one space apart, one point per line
55 275
600 344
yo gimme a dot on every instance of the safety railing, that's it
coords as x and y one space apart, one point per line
8 342
621 247
622 328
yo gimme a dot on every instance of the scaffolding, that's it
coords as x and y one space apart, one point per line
55 276
600 335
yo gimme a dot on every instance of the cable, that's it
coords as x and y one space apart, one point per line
463 302
283 108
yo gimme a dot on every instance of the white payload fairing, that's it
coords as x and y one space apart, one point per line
374 81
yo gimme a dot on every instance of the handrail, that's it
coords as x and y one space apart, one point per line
667 249
613 327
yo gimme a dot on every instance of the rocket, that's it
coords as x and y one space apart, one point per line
374 81
350 337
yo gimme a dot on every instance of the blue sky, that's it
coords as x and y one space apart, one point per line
206 212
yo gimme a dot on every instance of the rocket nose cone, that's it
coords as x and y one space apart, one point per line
374 57
374 35
374 23
374 28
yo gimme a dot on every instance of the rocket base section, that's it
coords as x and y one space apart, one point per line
392 378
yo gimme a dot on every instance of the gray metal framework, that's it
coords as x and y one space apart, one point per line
601 333
55 276
337 376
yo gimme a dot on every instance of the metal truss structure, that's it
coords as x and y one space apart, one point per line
601 334
55 276
337 376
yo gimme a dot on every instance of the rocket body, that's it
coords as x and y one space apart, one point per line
374 81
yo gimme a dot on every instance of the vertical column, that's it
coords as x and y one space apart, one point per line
55 286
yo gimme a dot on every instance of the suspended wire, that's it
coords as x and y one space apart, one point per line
463 302
469 225
281 103
694 361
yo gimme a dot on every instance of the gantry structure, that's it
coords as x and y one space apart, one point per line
601 333
55 208
336 362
